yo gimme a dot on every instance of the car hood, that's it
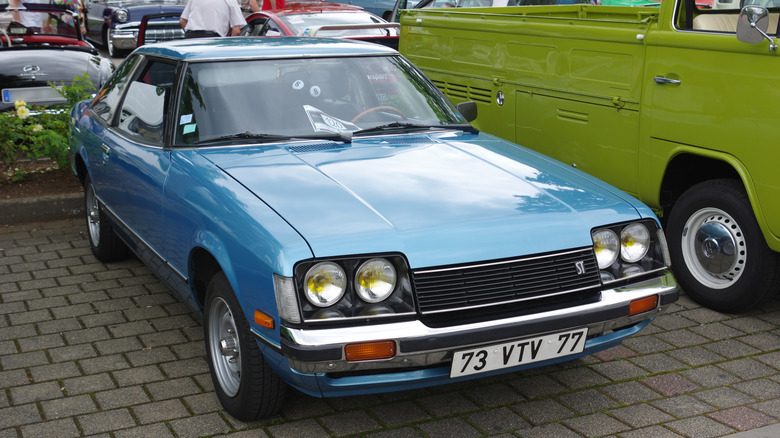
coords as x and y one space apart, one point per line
37 67
439 198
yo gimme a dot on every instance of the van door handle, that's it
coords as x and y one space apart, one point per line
106 150
663 80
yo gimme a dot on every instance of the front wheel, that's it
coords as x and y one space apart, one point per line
718 253
245 385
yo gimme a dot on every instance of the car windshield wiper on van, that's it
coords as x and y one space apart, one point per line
261 137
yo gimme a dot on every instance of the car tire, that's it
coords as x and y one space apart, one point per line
719 255
245 385
104 242
113 52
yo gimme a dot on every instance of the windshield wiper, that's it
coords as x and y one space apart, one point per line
405 126
345 137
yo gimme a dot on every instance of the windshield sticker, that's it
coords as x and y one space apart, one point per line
315 91
322 122
295 20
189 129
298 85
187 118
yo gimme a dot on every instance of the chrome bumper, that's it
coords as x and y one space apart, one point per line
322 350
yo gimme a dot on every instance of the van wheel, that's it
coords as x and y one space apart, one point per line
245 385
105 244
718 253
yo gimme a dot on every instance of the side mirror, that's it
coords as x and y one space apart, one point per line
752 25
468 110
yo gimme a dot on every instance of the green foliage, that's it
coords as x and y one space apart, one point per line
41 131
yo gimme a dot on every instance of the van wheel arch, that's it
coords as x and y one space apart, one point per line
685 171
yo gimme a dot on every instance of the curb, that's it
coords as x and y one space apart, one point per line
40 209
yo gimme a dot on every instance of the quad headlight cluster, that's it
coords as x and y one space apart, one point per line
630 249
350 288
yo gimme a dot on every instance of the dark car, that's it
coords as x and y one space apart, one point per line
32 57
325 19
114 24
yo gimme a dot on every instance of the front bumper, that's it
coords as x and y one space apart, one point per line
320 352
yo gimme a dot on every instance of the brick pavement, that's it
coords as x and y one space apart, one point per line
93 349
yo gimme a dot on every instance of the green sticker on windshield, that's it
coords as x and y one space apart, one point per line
189 129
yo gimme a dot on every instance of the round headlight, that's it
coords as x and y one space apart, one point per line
121 15
607 247
325 284
375 280
634 242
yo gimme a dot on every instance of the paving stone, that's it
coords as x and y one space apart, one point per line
717 331
618 370
742 418
695 355
762 389
710 376
699 427
35 392
556 430
32 316
172 388
348 423
649 432
658 363
630 392
19 415
587 401
403 432
497 420
121 397
68 407
398 413
65 428
640 415
647 344
160 411
579 378
54 372
297 429
771 408
88 384
670 384
724 397
206 402
682 406
539 412
447 404
103 364
159 430
537 386
495 394
58 326
448 428
597 424
186 367
731 348
106 421
148 356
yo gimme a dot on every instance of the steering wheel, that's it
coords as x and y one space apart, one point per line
379 108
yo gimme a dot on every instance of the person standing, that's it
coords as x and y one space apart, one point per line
211 18
273 4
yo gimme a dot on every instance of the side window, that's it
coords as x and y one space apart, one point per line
270 29
144 108
104 105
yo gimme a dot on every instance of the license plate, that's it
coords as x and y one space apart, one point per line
520 352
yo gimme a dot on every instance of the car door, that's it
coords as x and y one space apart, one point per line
709 92
137 160
95 9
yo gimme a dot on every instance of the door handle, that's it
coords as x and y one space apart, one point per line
663 80
106 150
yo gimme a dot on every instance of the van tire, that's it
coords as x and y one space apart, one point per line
719 255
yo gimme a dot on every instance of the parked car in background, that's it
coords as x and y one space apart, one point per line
325 19
343 230
380 8
114 24
31 58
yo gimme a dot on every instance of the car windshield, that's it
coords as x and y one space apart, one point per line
37 20
308 24
285 98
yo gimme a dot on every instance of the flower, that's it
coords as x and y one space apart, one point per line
19 103
22 112
38 127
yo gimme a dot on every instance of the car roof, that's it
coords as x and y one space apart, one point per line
312 6
237 48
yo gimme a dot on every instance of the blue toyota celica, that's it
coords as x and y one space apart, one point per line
341 227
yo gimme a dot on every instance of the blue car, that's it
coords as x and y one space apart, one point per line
341 227
114 24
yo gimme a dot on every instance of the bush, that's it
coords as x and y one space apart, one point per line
36 132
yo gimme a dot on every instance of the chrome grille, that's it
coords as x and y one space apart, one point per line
505 281
162 32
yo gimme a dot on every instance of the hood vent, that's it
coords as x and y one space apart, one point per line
316 147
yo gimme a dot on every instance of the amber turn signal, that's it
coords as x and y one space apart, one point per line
370 351
263 320
642 305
